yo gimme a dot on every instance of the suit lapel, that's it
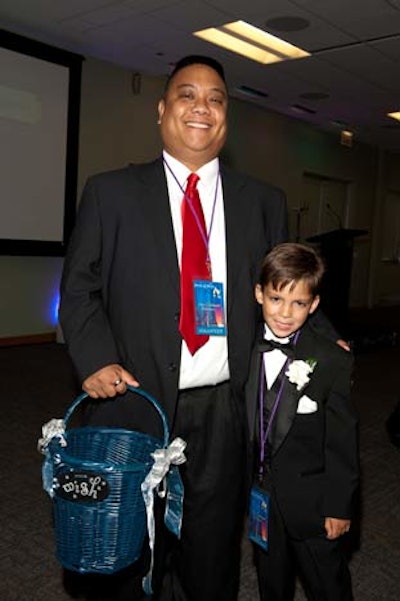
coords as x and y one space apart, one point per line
253 391
157 212
156 209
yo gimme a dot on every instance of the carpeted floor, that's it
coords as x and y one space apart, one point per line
36 384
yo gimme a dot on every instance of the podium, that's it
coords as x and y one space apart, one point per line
336 249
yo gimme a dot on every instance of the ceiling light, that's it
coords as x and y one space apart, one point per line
394 115
346 138
251 42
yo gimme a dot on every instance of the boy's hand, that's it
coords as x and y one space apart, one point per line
343 344
336 527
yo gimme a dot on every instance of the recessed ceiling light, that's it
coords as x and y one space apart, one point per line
251 42
287 23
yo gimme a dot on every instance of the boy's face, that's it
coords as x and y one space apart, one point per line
286 310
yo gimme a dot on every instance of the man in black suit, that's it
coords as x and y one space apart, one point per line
304 429
120 312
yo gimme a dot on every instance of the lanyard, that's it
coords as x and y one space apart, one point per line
271 417
205 235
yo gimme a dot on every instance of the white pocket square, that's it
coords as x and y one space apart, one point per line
306 405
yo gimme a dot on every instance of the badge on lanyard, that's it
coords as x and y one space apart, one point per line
258 517
209 308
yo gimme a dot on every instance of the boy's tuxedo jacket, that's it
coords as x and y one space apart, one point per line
120 298
314 464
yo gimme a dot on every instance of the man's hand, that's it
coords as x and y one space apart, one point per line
108 382
336 527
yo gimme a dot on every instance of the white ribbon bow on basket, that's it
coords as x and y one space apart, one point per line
55 427
163 459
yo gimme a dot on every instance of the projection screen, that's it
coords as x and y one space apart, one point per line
39 121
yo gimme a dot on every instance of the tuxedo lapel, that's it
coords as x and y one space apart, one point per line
286 412
290 395
287 408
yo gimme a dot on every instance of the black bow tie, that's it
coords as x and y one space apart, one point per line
270 345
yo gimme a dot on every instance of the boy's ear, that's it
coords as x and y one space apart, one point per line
258 292
314 304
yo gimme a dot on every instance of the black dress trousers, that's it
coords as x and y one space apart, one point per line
204 565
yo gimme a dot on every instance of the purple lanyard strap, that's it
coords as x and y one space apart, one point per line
271 417
205 235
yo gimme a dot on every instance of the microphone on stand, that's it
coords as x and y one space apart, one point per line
336 215
299 211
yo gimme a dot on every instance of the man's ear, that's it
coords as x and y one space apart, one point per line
161 109
314 304
259 294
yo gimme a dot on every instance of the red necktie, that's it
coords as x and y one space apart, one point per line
194 264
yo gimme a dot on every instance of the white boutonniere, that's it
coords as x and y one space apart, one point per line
298 372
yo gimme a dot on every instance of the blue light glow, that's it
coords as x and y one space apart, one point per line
55 304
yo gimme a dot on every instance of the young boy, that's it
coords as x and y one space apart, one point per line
304 430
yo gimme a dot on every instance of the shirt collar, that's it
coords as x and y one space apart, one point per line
269 335
207 173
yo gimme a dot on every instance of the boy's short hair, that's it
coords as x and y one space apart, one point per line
290 262
196 59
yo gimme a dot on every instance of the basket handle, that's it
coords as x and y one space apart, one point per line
139 391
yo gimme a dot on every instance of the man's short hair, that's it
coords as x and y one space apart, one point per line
196 59
290 262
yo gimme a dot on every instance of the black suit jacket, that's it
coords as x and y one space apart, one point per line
120 298
314 464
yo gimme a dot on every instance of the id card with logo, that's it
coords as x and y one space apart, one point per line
258 517
209 308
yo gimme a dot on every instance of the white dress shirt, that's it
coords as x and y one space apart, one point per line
209 365
273 360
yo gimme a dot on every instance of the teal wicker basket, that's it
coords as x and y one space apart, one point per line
95 480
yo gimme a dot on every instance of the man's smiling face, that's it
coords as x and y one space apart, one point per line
192 115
